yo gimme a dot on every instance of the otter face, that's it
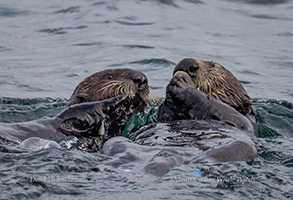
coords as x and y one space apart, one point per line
217 82
112 82
208 77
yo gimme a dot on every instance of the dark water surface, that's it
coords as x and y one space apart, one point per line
48 47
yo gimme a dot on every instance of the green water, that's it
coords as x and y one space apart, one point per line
71 172
48 47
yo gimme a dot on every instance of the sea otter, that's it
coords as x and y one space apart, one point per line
184 101
193 129
216 81
97 110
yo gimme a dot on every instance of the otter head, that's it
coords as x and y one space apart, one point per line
104 102
112 82
184 101
217 82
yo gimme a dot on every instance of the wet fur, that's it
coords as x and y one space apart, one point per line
104 102
217 82
110 83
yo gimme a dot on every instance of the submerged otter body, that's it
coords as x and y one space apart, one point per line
96 117
204 122
81 120
195 144
193 129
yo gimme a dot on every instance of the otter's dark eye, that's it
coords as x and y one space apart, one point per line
192 69
110 76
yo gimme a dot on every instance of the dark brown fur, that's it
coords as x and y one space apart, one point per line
218 82
111 82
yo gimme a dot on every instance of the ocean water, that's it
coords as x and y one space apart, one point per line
48 47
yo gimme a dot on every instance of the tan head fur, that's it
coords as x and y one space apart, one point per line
111 82
216 81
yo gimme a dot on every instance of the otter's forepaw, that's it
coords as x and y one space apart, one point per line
180 81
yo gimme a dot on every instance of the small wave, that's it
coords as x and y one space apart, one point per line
284 103
154 61
134 24
138 46
261 2
99 3
264 2
3 48
259 16
10 12
20 110
89 44
172 3
60 30
250 72
275 117
73 9
285 34
30 101
244 82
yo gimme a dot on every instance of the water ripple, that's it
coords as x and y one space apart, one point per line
155 62
3 48
285 34
275 117
11 12
250 73
262 16
264 2
261 2
89 44
138 46
134 24
73 9
60 30
18 110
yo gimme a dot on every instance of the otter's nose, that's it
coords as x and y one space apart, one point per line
187 65
140 79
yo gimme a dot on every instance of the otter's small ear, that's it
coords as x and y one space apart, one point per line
213 64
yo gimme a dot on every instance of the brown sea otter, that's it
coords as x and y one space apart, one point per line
216 81
104 101
184 101
194 129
